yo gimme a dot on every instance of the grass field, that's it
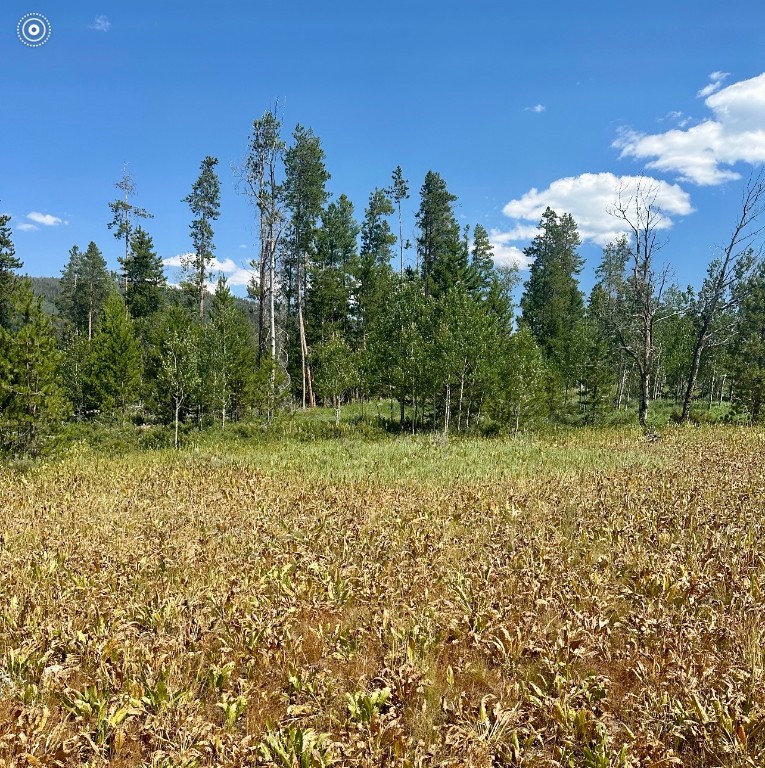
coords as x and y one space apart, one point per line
585 599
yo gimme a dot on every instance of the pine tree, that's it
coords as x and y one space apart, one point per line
9 264
439 247
144 276
85 285
31 401
329 284
552 303
482 261
123 216
230 357
749 348
204 202
114 377
399 191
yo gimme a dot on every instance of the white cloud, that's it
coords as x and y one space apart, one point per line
506 255
45 219
536 108
235 275
588 198
716 80
25 227
101 24
704 153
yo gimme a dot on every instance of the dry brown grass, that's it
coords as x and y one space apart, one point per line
188 611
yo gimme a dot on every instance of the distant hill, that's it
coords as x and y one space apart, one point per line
49 289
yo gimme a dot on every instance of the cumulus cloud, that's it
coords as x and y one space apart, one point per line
506 255
536 108
45 219
25 226
705 153
235 274
588 198
101 24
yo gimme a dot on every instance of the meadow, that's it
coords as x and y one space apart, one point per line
586 598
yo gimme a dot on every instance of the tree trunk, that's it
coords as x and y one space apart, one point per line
698 349
645 396
447 409
177 411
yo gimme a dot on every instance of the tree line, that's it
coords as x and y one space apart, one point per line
334 315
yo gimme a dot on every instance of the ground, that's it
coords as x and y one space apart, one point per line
584 598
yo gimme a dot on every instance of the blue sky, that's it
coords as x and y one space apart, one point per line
517 105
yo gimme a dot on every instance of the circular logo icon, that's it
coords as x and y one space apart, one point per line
33 29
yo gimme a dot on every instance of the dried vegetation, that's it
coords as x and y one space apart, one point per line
196 610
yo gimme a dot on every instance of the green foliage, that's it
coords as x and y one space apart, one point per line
85 285
32 403
144 276
204 203
114 368
9 264
336 370
522 397
440 250
552 303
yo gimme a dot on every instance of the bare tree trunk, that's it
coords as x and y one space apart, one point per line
695 365
177 411
462 394
447 408
645 396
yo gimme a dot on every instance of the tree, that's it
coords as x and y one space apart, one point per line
439 247
521 397
329 278
9 263
144 276
259 175
552 303
634 285
749 347
85 285
204 202
124 215
336 371
230 356
31 401
178 376
304 194
114 376
482 261
722 288
399 191
373 277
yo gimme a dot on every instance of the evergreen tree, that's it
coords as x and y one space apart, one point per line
439 247
31 401
9 264
144 276
399 191
115 366
749 347
373 276
482 261
85 285
204 203
123 216
552 304
329 284
230 357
